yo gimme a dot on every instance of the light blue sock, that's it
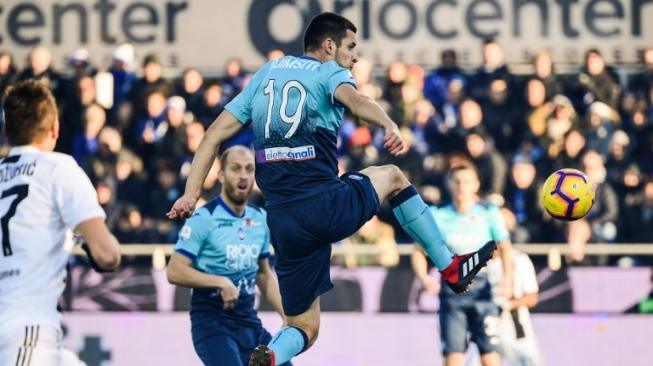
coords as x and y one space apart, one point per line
418 222
288 343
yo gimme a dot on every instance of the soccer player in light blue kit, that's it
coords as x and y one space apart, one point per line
466 223
295 106
222 254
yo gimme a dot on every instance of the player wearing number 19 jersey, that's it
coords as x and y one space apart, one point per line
295 106
43 195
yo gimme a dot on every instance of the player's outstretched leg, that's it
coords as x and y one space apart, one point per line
291 340
416 219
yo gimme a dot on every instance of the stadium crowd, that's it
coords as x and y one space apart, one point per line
137 144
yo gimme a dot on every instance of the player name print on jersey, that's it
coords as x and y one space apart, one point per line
9 171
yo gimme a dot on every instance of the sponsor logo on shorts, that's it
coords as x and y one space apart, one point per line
355 177
285 154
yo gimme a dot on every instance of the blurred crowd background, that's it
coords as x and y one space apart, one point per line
134 125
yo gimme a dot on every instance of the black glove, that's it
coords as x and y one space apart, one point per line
91 261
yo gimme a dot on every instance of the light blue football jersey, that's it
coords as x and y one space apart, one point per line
221 243
465 233
295 118
468 232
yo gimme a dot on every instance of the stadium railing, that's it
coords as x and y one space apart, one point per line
537 249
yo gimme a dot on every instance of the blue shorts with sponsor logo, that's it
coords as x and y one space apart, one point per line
303 231
471 316
223 342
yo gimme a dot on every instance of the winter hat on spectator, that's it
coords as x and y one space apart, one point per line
124 53
78 56
602 110
177 102
561 101
620 138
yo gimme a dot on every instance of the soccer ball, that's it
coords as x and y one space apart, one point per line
567 195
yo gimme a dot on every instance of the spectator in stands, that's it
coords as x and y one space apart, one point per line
396 75
153 127
641 135
562 119
101 164
151 81
490 165
618 156
544 71
8 72
596 82
500 115
40 68
74 111
450 112
235 77
572 151
212 104
536 110
133 228
164 193
191 89
80 63
601 123
522 198
437 82
494 67
424 127
130 178
630 191
123 80
193 134
641 82
172 141
106 195
471 117
600 224
87 142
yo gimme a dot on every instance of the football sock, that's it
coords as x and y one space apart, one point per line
287 343
418 222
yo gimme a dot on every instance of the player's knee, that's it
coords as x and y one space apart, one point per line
309 327
397 177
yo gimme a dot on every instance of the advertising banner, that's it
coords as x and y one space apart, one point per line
206 33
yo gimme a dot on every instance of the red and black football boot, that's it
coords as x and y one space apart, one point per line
460 273
262 356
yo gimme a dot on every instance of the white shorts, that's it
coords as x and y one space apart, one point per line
36 345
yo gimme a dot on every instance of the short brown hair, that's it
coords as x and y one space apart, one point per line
463 165
30 110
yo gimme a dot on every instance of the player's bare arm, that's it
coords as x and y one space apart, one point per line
372 112
505 253
420 268
104 248
225 126
268 284
181 273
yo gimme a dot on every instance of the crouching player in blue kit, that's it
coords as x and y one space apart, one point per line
295 106
466 223
222 254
